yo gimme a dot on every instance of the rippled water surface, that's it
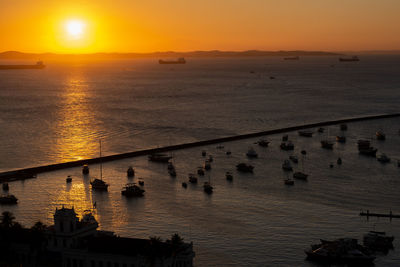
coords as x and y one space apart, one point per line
59 114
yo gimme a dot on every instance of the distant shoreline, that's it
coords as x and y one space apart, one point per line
9 55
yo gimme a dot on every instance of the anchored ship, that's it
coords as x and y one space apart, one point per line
178 61
38 65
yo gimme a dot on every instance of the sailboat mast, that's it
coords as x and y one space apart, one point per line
101 165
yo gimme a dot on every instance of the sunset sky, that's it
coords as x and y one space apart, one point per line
182 25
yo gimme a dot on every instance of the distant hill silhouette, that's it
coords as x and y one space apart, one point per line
167 54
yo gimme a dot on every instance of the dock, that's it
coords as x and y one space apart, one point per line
388 215
26 173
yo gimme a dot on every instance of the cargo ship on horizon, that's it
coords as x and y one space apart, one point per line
178 61
355 58
38 65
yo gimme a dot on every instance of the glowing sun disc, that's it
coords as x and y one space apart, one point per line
75 28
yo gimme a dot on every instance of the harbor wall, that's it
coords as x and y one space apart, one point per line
31 172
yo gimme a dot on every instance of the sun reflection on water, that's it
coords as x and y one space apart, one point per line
77 131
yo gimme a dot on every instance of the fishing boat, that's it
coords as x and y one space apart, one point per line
229 176
69 179
8 200
306 133
132 190
243 167
287 166
85 169
288 145
130 172
263 143
159 157
251 153
99 184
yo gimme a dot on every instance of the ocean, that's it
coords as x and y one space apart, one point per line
60 113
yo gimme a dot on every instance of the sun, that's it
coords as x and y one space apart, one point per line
75 28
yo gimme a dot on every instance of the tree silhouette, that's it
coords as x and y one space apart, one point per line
7 219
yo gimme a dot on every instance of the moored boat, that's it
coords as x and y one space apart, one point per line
200 171
341 138
85 169
229 176
326 144
99 185
383 158
263 143
69 179
130 172
294 158
192 178
378 241
287 166
300 175
207 188
251 153
132 190
8 200
5 186
380 135
243 167
288 145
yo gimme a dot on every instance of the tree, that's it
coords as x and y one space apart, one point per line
7 219
39 226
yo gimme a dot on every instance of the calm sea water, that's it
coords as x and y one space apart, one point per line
59 114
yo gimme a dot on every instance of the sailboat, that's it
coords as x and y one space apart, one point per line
301 175
99 184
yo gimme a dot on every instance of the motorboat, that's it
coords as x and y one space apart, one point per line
251 153
243 167
130 172
99 185
192 178
287 166
200 171
294 158
300 175
288 145
380 135
159 157
378 241
370 151
229 176
207 188
8 200
85 169
327 144
132 190
69 179
306 133
5 187
344 250
263 143
383 158
341 138
343 127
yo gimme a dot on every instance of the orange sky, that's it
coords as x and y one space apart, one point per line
186 25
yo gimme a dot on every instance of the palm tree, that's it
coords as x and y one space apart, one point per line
7 219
